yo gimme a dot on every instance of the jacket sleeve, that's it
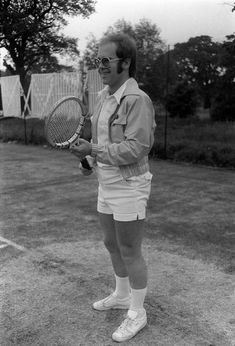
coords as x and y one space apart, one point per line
138 134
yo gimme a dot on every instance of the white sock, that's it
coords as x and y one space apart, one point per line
122 286
137 299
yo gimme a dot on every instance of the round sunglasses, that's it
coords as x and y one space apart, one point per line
105 61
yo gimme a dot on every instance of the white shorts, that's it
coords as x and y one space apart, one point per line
125 199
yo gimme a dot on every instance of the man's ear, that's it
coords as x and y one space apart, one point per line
126 63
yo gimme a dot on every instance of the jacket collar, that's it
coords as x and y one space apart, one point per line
131 88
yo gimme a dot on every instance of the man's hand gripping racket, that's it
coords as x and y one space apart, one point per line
65 125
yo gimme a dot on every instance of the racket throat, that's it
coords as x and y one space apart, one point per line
66 144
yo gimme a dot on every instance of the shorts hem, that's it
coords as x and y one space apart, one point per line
128 217
123 217
105 212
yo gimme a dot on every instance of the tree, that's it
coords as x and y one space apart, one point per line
223 105
163 75
197 61
182 101
30 31
91 52
227 58
149 47
123 26
92 46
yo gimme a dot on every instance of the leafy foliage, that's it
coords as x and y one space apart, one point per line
182 101
197 61
149 47
227 58
223 105
29 31
197 141
90 52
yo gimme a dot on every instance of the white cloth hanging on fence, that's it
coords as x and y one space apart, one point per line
47 88
93 84
11 91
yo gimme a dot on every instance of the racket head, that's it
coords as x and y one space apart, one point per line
64 122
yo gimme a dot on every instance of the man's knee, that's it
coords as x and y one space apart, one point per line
129 253
111 246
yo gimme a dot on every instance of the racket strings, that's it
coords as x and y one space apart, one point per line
64 122
60 129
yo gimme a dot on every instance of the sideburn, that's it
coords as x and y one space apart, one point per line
119 66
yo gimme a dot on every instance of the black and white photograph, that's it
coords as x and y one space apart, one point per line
117 172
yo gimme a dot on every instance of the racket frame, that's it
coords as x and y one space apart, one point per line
66 144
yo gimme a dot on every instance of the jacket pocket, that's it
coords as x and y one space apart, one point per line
117 129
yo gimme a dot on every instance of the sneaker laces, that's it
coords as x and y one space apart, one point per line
110 297
127 324
107 299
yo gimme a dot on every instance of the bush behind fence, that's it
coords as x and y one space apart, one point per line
200 142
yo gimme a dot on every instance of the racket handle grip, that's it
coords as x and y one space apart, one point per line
85 164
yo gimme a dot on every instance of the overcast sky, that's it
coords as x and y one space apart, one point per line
178 20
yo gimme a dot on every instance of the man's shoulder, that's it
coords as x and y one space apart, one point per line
133 89
133 94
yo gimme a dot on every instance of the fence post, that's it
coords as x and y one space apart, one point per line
167 91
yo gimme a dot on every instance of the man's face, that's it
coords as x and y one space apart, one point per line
109 74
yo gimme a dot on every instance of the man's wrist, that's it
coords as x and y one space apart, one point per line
94 149
90 149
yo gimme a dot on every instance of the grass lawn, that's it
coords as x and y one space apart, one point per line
197 141
191 140
53 265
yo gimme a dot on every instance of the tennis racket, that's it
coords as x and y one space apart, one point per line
64 124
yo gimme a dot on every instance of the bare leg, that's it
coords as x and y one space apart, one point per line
111 243
129 238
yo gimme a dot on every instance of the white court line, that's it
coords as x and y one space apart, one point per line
9 242
3 246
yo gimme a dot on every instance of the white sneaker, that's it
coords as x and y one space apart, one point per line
112 302
130 326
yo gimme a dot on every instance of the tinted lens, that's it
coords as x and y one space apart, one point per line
103 61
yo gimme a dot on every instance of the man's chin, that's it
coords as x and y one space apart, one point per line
105 79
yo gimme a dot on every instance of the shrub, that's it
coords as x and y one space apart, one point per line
29 130
182 101
193 140
223 105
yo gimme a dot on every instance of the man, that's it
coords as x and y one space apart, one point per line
122 135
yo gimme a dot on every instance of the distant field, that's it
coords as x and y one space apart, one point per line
195 140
